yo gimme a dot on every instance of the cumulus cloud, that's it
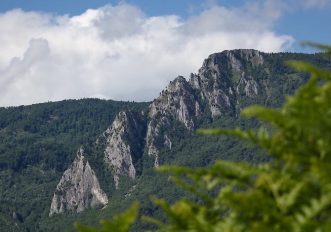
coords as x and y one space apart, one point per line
117 52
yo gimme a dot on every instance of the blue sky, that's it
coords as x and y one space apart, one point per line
54 50
151 7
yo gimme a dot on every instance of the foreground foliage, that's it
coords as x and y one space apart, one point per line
290 192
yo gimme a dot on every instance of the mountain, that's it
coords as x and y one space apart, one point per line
45 181
123 144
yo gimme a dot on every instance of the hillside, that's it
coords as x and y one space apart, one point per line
124 141
38 143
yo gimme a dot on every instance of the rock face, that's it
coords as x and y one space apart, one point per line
176 102
124 141
220 86
78 188
224 78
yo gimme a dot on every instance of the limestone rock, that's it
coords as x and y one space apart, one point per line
220 86
155 138
221 74
247 85
124 144
78 188
176 102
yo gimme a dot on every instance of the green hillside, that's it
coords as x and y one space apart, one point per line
39 142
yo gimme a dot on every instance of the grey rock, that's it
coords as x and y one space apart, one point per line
247 85
78 189
176 102
124 144
221 74
155 138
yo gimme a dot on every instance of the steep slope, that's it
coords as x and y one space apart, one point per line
226 78
123 144
78 189
176 102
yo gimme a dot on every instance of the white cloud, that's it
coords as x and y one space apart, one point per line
117 52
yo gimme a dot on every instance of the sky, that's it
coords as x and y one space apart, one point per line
130 50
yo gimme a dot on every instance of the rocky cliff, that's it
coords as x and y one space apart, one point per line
176 102
124 141
78 188
224 82
226 78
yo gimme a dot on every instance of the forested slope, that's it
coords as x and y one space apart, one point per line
39 142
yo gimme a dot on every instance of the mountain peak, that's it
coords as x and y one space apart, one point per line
124 144
234 59
78 188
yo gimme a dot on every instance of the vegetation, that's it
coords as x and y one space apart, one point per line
38 142
290 191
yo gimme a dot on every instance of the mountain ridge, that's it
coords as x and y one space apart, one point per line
43 138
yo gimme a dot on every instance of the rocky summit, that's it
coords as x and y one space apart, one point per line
78 189
222 85
226 77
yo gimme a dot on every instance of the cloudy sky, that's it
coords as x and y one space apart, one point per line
129 50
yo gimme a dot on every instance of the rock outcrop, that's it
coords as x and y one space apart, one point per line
219 87
78 188
176 102
224 78
124 141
